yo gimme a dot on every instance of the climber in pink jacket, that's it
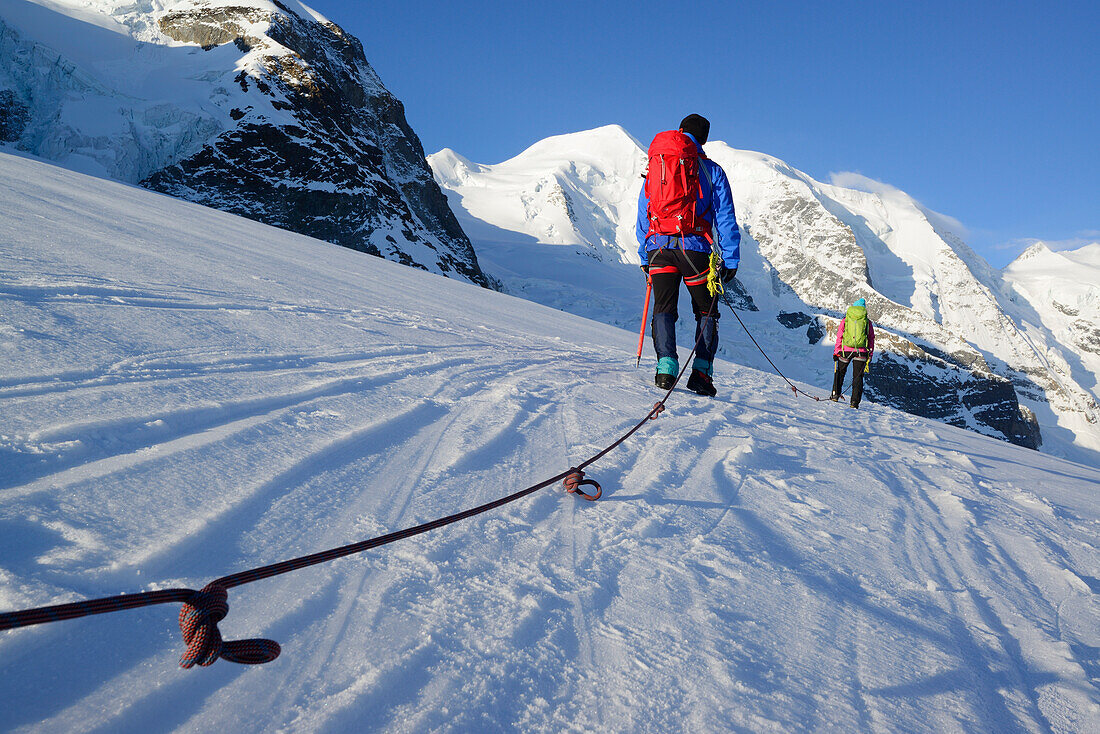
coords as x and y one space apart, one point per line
855 343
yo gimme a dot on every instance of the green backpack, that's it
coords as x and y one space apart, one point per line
855 328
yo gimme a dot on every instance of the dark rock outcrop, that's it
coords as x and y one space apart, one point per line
14 115
346 168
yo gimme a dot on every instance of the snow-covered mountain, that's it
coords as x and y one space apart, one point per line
1057 297
956 343
258 107
239 395
269 110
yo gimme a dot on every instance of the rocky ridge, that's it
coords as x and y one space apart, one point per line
263 109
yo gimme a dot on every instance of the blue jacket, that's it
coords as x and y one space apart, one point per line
715 204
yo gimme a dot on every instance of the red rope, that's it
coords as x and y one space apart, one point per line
794 388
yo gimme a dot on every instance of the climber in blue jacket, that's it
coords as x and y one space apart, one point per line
668 259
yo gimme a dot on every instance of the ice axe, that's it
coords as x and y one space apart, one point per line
645 317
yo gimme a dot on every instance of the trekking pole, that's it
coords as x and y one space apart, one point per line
645 317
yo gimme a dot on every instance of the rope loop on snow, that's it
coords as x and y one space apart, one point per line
575 480
199 617
658 408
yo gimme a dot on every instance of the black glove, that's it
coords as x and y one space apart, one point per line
728 274
645 269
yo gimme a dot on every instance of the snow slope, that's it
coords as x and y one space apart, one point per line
187 394
956 345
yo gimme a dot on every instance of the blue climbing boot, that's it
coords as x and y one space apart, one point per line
700 379
667 369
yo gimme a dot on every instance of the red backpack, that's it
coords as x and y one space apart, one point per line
672 186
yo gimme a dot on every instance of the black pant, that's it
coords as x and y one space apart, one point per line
840 367
692 267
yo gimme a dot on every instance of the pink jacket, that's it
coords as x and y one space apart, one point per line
869 351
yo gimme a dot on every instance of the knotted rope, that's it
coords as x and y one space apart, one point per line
199 619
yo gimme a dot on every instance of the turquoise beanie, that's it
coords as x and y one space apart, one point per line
860 302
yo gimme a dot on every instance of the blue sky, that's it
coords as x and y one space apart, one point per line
988 112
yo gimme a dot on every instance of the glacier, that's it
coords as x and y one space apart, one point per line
238 395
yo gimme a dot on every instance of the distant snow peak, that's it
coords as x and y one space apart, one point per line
602 143
946 226
1034 250
576 189
1082 251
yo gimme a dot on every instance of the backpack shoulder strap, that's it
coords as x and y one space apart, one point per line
710 184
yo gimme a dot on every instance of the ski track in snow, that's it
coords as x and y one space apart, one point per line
758 562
